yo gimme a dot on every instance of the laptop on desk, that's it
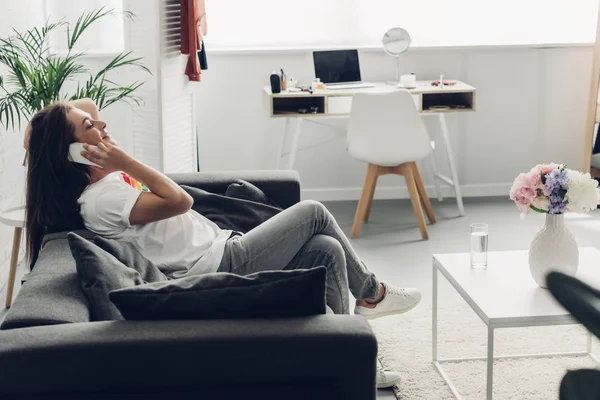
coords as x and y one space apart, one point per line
339 69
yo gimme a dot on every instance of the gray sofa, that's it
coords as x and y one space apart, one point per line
49 348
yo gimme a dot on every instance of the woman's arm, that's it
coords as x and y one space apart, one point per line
166 199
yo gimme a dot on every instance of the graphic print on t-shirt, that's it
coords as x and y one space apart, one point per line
134 183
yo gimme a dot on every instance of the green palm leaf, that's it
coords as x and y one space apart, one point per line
36 77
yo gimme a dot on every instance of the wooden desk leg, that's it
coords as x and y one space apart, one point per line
295 138
14 258
453 172
283 140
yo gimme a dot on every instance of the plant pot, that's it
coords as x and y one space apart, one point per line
553 249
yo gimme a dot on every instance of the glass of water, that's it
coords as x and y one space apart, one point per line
479 246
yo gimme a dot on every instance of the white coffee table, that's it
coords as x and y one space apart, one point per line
505 296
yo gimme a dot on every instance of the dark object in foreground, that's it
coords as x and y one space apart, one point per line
583 302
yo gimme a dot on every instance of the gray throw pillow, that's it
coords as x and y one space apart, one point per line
131 257
241 189
269 294
100 273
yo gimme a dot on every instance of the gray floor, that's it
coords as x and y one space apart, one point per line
391 246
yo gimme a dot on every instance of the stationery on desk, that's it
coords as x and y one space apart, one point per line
431 98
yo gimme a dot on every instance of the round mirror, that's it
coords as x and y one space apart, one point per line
396 41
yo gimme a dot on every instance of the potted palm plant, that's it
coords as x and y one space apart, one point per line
37 76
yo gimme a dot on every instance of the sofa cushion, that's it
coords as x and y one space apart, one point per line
241 189
52 294
127 254
229 212
50 237
269 294
281 186
100 273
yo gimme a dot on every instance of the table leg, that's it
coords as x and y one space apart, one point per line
490 363
453 172
295 138
436 182
13 266
282 143
434 314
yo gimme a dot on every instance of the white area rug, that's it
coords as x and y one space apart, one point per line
405 345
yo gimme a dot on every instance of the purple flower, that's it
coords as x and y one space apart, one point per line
557 208
557 203
556 196
556 180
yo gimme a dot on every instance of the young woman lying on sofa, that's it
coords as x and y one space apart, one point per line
66 195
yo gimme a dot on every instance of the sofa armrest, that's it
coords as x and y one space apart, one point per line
143 355
281 186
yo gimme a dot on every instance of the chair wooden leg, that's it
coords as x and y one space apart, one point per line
370 200
13 266
423 193
368 187
409 176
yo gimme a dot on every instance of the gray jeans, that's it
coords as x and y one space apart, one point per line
301 237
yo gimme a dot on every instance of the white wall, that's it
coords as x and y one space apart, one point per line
531 107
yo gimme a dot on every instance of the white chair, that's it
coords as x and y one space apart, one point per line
386 131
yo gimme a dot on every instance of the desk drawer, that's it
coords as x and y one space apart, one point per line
339 104
343 104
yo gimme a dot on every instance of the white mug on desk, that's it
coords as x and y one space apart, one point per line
408 81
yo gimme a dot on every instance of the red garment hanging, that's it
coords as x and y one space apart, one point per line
192 30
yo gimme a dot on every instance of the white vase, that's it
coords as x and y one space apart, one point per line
553 249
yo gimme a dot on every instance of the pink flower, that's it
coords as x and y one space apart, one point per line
524 190
545 169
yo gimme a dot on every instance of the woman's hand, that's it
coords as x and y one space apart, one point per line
109 156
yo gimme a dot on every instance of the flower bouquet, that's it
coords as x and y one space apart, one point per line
552 189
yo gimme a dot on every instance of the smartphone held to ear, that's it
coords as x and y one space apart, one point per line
75 150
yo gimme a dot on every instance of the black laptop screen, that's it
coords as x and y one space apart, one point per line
337 66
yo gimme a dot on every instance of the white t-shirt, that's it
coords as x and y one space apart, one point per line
186 243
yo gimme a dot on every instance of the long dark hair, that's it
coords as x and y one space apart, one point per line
53 182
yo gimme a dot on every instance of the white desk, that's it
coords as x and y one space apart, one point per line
334 103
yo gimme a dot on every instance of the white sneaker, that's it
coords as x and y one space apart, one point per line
395 301
385 376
